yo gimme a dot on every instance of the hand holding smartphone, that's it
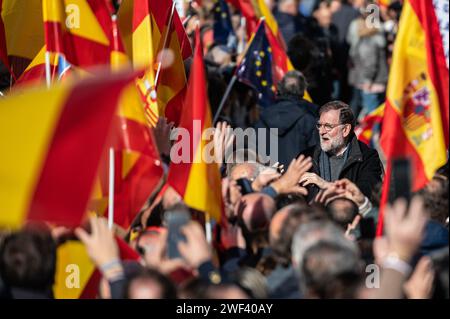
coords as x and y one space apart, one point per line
175 220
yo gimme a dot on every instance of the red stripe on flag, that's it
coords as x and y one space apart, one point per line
54 36
437 66
3 49
398 145
174 107
64 187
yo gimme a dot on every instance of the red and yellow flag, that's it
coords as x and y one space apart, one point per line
416 120
96 41
137 166
253 11
82 30
21 33
76 277
196 180
152 34
51 153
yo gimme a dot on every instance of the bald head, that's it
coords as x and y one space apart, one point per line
256 210
277 222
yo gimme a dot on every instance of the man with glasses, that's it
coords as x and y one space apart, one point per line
339 154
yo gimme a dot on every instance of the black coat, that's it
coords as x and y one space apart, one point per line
363 167
295 120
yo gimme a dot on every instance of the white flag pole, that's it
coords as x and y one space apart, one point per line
48 70
208 229
111 189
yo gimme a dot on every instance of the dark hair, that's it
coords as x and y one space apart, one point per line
168 290
281 247
283 200
28 259
342 216
330 271
436 200
346 114
293 84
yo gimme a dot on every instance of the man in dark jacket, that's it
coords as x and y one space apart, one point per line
340 154
294 117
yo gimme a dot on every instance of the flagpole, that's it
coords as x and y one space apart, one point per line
224 98
166 38
48 70
111 189
208 228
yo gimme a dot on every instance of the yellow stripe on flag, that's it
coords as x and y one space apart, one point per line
73 270
27 123
409 80
23 27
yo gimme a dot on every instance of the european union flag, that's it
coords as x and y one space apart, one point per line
256 67
223 29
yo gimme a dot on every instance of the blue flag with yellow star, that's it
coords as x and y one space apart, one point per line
256 67
223 29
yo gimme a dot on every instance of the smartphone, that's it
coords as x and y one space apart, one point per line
400 180
367 228
246 186
174 221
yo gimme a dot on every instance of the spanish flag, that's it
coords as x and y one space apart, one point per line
75 48
52 142
153 34
416 120
81 30
21 33
193 177
253 11
137 166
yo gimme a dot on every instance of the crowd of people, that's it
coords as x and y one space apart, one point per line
303 228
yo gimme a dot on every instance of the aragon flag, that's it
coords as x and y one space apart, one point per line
193 177
51 153
416 119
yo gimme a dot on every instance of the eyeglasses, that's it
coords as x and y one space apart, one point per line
328 127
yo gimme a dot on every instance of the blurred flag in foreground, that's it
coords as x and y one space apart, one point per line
52 142
76 276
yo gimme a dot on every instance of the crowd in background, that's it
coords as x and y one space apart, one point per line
305 228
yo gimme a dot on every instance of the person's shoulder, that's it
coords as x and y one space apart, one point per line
367 151
310 152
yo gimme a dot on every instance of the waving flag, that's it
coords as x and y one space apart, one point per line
83 281
253 11
137 166
152 34
255 68
88 40
197 181
21 33
223 29
370 126
416 120
51 153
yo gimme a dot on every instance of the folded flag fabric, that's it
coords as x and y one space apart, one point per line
52 142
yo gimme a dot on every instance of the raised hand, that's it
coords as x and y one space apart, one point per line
289 182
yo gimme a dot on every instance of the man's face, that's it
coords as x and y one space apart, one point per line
332 134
